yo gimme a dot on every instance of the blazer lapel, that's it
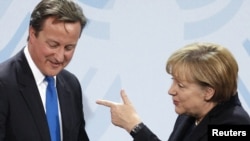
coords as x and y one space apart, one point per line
64 95
182 125
31 95
200 131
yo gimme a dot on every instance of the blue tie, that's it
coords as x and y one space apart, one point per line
52 109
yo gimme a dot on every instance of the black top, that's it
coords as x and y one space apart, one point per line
227 113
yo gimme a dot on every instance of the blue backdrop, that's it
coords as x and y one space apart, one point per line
126 44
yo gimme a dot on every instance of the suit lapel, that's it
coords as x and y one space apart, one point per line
65 105
185 124
182 126
30 93
200 131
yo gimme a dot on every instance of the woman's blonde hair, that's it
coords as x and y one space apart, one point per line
206 64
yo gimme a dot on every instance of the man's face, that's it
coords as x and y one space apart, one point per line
54 46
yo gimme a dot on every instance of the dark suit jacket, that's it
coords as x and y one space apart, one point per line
227 113
22 116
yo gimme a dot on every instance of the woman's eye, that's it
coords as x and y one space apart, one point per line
181 85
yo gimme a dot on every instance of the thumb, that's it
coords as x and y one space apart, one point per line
125 98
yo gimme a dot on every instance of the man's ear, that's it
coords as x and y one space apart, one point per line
32 34
31 31
209 93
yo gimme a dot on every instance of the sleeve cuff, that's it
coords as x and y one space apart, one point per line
136 129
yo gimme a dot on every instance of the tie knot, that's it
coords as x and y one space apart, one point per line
49 79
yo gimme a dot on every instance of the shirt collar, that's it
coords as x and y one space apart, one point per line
39 77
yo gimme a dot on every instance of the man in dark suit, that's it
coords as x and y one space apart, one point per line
55 27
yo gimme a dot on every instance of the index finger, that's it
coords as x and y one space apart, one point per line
106 103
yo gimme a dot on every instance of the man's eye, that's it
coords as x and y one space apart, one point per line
69 48
53 45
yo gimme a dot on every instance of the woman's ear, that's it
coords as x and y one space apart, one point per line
209 93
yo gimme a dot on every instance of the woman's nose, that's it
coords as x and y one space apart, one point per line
172 90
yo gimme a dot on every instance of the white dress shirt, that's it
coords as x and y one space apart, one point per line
41 84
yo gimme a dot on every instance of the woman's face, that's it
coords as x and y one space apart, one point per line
189 98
